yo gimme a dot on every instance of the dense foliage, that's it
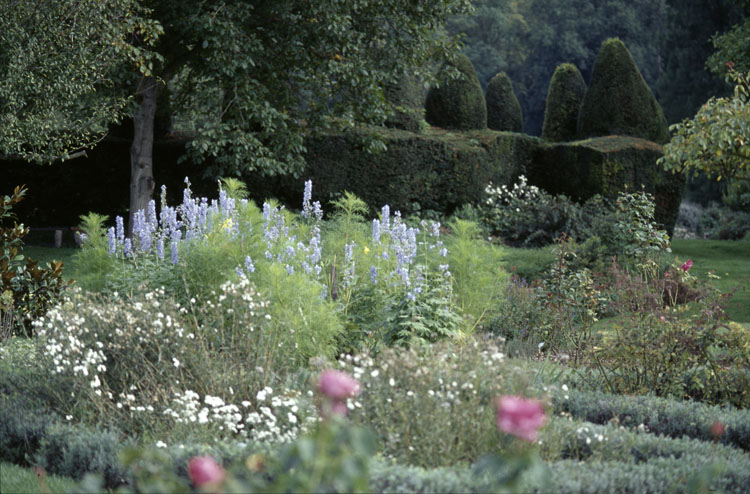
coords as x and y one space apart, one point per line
459 102
60 66
503 109
27 289
618 100
715 141
528 39
564 98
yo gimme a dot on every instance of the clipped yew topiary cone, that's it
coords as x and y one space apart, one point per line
503 108
564 98
618 101
458 104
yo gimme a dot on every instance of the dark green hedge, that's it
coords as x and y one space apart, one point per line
662 416
618 101
503 109
436 170
564 98
59 193
605 166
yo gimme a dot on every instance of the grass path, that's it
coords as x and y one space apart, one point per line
20 480
730 260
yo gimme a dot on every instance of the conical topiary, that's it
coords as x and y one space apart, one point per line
503 108
458 104
618 101
407 96
564 97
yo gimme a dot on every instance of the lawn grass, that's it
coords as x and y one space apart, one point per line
728 259
19 480
46 254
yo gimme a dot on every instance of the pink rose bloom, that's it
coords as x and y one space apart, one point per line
520 417
717 429
204 470
338 385
688 264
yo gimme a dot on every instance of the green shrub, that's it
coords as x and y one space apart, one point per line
153 367
73 451
22 428
618 100
93 264
659 415
527 216
564 98
478 274
26 290
432 405
721 223
659 350
573 476
458 103
503 108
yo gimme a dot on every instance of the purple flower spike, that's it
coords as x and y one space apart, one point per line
111 240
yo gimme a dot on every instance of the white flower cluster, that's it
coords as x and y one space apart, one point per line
87 338
272 419
502 195
583 433
225 416
241 292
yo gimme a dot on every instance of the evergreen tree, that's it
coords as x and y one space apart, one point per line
503 108
458 103
618 100
564 98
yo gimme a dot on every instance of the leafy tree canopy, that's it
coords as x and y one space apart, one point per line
247 78
60 64
717 140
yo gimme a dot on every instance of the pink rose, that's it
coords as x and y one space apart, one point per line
338 385
204 470
688 264
717 429
519 416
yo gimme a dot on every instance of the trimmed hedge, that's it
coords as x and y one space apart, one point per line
618 101
458 104
503 109
570 476
436 170
606 165
33 436
639 462
662 416
564 98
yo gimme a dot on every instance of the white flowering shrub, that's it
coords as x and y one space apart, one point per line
526 216
432 405
152 366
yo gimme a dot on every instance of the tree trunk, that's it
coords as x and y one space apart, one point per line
141 151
